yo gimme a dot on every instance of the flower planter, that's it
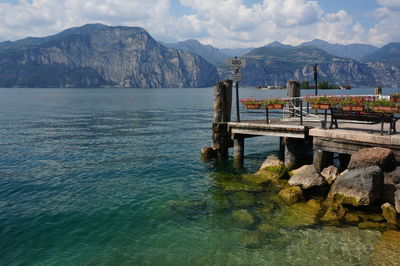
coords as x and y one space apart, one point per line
385 109
395 98
253 106
275 106
321 106
353 108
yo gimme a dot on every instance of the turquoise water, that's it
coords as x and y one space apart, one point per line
91 176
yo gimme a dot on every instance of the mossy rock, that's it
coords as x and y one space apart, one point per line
243 218
372 225
269 173
219 202
242 199
291 194
265 211
252 239
300 214
389 213
232 185
334 213
187 206
267 228
352 218
371 217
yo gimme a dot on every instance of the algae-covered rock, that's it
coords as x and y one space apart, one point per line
272 160
334 213
389 212
381 157
268 173
387 250
371 217
352 218
243 218
264 212
241 199
299 214
371 225
291 194
359 186
230 182
267 228
252 239
330 174
307 178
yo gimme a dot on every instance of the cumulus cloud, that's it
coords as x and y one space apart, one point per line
387 28
223 23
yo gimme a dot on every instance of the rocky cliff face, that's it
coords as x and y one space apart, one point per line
98 55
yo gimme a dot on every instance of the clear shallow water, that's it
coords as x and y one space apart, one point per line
87 177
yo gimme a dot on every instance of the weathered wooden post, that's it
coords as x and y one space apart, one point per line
222 115
293 90
238 148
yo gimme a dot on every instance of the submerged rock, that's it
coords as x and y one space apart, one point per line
387 251
242 199
382 157
359 186
330 174
352 218
272 160
390 214
334 213
300 214
243 218
371 225
268 174
291 194
307 177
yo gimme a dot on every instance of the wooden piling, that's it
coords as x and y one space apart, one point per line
222 115
297 152
238 147
378 90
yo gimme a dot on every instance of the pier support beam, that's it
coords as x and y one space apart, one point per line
238 147
298 152
322 159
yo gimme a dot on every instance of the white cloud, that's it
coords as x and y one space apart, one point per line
390 3
223 23
387 29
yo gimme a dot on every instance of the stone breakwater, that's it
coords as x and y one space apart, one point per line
365 195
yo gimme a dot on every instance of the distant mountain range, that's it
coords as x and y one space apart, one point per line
354 51
97 55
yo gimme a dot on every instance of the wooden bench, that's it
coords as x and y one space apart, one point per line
364 116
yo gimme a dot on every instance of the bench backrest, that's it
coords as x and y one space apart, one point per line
361 116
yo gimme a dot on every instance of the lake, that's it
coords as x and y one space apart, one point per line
114 177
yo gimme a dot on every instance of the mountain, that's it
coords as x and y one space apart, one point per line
354 51
232 52
208 52
278 45
389 54
275 64
98 55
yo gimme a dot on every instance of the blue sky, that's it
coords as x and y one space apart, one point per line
223 23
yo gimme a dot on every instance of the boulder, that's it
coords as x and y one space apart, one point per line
243 218
208 153
291 194
272 160
307 178
359 186
394 176
388 189
352 218
299 215
397 200
334 213
382 157
389 212
330 173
